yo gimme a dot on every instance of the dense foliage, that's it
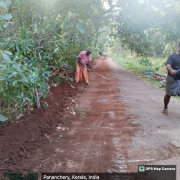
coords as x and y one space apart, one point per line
36 35
148 26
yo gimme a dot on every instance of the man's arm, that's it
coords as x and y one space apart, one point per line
169 68
79 59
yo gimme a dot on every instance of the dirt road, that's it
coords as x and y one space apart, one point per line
124 127
120 127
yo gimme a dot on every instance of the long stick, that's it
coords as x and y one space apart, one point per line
97 73
37 98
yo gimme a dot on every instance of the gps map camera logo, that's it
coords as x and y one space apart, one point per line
141 168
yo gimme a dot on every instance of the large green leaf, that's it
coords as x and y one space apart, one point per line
7 52
71 79
56 50
6 25
6 17
24 78
5 4
5 56
32 79
72 22
43 86
2 118
14 73
22 94
26 99
11 95
45 95
45 104
17 48
20 102
14 82
79 27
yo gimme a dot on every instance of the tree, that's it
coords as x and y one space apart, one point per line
43 34
147 25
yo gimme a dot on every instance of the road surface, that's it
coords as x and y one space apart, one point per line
124 127
121 126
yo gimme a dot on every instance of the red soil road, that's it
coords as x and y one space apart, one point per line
95 140
114 130
103 137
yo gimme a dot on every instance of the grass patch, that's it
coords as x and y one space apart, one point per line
141 65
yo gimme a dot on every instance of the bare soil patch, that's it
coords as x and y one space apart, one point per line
27 144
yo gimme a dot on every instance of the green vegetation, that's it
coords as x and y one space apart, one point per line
139 65
148 26
38 34
135 65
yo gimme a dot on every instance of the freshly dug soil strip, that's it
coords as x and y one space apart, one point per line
25 143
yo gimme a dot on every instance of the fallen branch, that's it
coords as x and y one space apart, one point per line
162 75
158 77
56 71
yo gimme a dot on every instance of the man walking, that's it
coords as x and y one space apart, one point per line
173 78
81 71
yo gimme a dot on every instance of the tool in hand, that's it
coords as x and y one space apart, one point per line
96 73
177 71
